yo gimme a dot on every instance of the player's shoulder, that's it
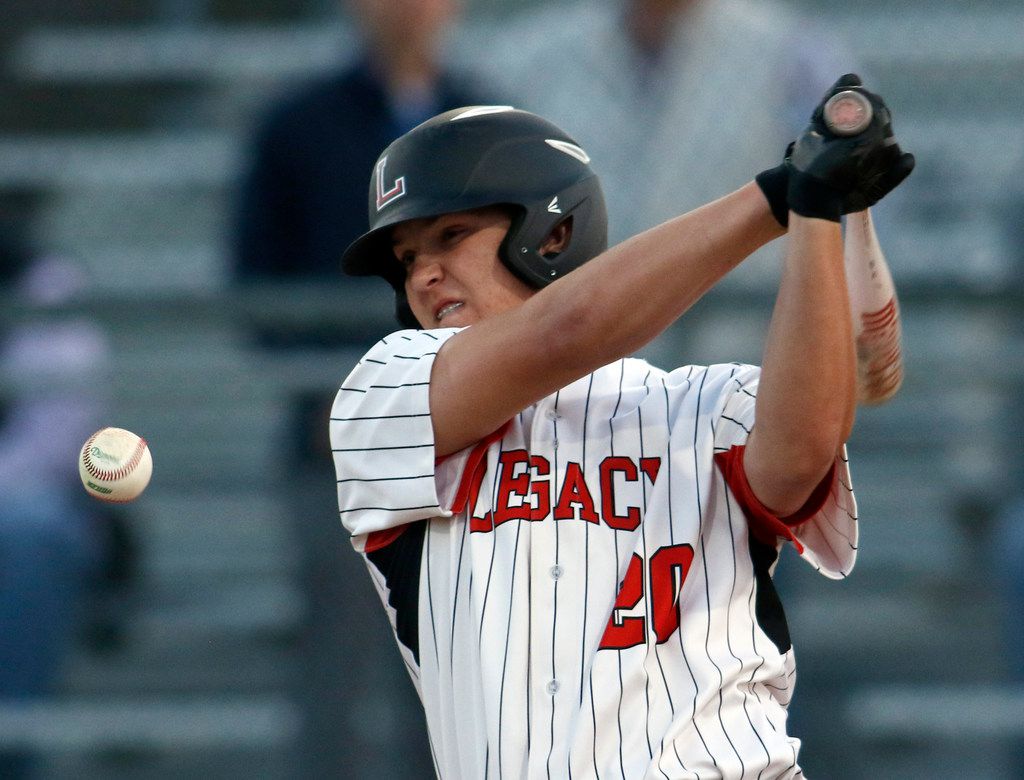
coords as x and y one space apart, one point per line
734 378
394 374
398 351
717 380
639 370
735 374
409 341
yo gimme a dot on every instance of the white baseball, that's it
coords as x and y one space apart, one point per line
115 465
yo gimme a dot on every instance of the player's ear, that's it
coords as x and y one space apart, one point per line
558 239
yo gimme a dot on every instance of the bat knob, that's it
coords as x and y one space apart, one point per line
847 113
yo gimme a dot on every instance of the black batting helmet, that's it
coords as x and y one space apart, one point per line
484 156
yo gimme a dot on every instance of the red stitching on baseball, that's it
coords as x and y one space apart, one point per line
104 474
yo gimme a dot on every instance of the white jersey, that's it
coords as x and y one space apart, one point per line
583 594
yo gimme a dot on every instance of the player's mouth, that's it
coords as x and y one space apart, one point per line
447 309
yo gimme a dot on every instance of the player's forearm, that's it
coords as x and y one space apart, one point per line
630 294
806 395
604 310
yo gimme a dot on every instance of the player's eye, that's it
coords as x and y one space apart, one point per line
452 233
405 258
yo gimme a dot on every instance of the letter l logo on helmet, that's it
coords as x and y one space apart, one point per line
397 189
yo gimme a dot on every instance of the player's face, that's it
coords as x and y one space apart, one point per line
453 276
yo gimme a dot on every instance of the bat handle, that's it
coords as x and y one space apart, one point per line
847 113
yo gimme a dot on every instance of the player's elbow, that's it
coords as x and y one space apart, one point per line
784 475
787 492
818 450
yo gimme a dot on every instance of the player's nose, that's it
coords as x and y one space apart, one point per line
427 271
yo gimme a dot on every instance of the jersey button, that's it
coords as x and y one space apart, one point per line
552 687
557 572
553 415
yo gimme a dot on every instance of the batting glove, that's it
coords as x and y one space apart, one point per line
824 175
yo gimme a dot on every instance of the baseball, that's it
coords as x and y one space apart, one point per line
115 465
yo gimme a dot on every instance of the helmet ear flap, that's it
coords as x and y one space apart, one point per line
583 203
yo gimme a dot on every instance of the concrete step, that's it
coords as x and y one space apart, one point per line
894 628
155 53
87 107
937 730
267 762
222 664
192 539
153 221
915 34
185 723
139 163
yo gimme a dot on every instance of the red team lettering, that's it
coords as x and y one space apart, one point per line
575 493
524 491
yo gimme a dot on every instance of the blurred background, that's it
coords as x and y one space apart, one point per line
177 178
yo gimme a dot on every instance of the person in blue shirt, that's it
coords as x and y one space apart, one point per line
303 193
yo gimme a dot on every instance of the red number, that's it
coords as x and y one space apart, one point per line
628 631
668 569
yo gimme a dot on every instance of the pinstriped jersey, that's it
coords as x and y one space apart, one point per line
586 592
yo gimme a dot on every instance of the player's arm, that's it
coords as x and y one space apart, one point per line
604 310
613 305
873 303
807 393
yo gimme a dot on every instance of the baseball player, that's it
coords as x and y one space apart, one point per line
575 547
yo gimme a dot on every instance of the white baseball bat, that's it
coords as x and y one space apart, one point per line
875 311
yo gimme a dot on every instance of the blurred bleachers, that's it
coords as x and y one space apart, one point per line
122 134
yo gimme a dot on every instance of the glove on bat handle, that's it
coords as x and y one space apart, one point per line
847 113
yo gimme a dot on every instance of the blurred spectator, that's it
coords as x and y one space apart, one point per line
1008 554
304 194
303 199
678 100
1008 558
53 539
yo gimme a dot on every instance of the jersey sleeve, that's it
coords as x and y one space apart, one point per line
824 531
382 440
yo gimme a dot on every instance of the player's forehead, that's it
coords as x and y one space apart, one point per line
411 229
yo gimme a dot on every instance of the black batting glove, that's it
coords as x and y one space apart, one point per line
824 175
879 178
774 183
825 167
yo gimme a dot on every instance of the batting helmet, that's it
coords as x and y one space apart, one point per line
484 156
